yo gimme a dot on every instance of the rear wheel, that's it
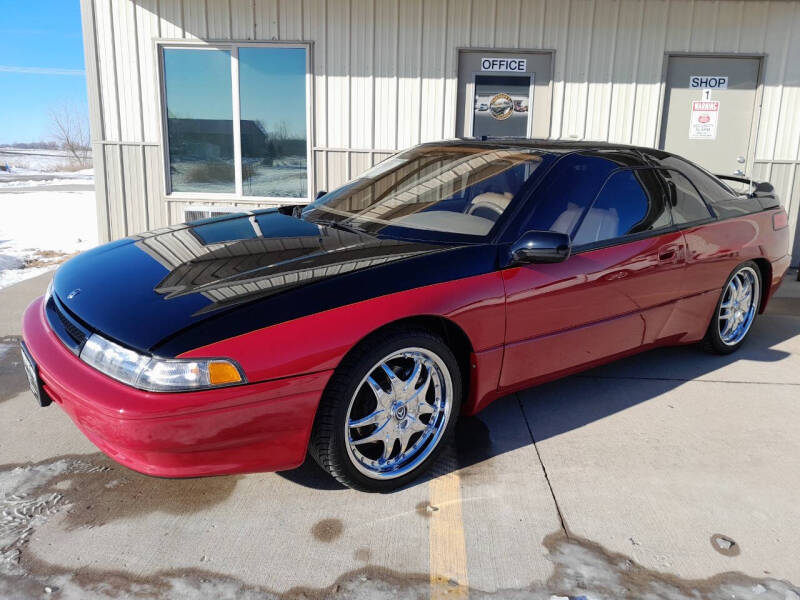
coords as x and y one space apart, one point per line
736 310
388 410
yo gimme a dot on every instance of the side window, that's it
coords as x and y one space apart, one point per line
711 188
687 205
566 191
631 201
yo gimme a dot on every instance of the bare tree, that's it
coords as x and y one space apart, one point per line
71 132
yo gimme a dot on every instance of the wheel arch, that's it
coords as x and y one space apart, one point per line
765 269
450 331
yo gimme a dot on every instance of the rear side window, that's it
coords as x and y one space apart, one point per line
711 188
568 189
687 205
631 201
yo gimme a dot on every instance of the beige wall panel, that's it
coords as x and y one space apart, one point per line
243 19
555 36
107 69
409 60
290 20
781 19
154 186
507 27
679 25
195 21
704 26
314 15
787 135
147 29
601 67
338 61
136 219
115 194
576 86
434 52
321 169
626 63
266 17
532 23
729 26
648 88
385 65
362 56
457 35
483 22
101 199
338 164
219 19
359 162
754 26
127 59
171 18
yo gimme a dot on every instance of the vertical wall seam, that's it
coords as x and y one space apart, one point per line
444 68
372 83
145 189
519 24
183 19
278 19
612 68
396 74
494 25
421 29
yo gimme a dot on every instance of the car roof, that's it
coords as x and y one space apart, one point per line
554 146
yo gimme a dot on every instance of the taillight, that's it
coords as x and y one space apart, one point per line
780 220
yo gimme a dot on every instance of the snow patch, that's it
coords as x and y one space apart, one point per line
39 229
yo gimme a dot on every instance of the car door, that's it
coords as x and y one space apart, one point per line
612 296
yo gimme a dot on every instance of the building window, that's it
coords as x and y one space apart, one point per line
236 121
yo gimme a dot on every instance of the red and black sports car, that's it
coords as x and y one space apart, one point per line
361 326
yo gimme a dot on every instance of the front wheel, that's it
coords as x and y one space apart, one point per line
736 310
388 410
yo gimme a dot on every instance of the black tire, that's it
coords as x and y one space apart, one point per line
712 342
328 445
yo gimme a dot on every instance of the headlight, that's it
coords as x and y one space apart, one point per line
158 374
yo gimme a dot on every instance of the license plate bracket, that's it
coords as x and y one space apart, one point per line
34 380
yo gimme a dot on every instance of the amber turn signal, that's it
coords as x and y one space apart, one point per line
220 373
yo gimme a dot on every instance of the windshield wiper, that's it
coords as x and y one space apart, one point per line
338 225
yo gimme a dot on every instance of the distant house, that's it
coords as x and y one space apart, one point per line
295 96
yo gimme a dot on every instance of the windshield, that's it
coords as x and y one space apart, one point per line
432 192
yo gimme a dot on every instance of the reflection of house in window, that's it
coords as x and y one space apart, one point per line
203 139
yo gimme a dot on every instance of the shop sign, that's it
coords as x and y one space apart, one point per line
711 82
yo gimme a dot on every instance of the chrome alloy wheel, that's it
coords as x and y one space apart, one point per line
738 307
398 413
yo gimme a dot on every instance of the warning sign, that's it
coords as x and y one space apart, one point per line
703 123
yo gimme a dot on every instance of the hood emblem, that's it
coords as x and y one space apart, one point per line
73 293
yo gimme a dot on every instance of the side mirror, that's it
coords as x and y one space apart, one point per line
541 247
320 194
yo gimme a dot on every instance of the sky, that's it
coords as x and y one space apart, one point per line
41 66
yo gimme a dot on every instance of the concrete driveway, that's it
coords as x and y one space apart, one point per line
673 474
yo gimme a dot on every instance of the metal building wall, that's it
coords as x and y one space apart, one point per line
385 76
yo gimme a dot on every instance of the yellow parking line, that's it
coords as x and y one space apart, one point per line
448 551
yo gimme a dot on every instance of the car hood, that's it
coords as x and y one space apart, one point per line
148 287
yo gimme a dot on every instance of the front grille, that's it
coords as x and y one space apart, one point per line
66 327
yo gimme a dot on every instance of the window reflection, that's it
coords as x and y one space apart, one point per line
199 120
272 99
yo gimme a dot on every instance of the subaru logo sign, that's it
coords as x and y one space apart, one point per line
73 293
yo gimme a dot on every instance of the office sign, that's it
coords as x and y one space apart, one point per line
514 65
709 82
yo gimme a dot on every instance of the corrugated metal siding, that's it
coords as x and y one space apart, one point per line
385 76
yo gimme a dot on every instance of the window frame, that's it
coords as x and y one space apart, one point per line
233 47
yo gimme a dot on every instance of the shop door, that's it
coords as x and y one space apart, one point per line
504 94
709 104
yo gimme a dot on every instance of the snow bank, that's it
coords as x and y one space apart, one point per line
38 229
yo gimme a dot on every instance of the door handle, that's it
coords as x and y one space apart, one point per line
671 253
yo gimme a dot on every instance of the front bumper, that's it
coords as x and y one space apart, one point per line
256 427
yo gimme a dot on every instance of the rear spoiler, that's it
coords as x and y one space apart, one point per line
756 189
